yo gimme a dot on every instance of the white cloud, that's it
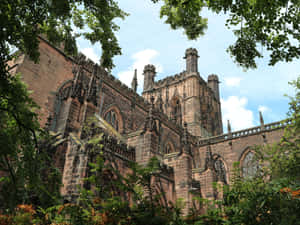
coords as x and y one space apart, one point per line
263 108
141 59
90 53
234 109
232 81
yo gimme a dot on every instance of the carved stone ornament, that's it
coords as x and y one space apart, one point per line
150 122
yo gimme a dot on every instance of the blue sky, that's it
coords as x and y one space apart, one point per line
144 39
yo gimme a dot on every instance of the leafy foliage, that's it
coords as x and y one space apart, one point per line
26 172
270 24
61 21
25 165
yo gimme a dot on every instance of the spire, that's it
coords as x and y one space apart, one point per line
134 82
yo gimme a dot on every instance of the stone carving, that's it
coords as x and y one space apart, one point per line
150 122
220 170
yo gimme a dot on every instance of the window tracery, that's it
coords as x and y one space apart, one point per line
249 165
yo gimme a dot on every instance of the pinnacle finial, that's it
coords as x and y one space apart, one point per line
134 82
135 73
261 119
228 127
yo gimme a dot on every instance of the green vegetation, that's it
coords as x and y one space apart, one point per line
273 25
30 183
25 165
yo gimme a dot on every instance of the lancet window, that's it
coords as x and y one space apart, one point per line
112 118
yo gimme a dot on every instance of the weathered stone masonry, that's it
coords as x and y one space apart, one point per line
177 119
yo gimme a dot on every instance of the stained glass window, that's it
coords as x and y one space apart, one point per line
249 165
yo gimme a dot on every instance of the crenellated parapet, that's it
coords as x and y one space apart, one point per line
170 80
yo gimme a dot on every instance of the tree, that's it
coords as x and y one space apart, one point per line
23 21
22 156
270 24
26 166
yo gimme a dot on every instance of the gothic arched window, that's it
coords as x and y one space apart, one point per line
220 170
249 165
112 118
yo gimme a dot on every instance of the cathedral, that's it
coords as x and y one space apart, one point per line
176 119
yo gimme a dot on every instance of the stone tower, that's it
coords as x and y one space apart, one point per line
186 97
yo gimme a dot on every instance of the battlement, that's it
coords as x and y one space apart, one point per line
170 79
